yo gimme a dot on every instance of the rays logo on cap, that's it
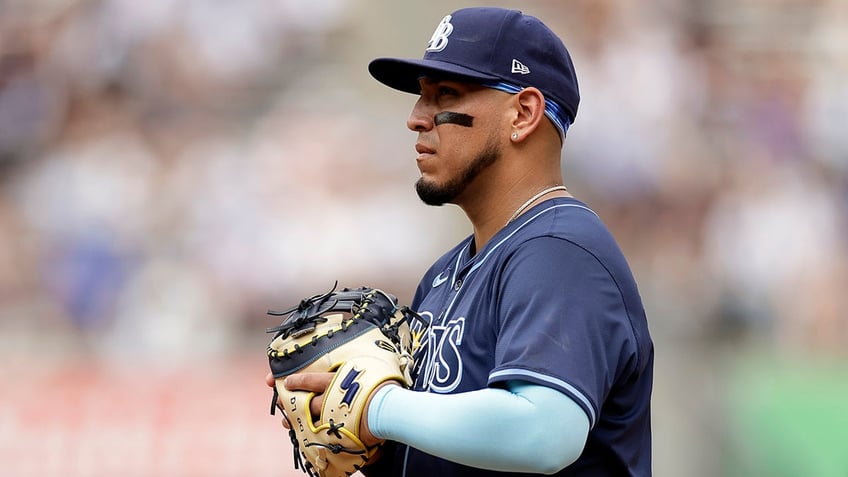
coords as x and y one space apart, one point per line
439 40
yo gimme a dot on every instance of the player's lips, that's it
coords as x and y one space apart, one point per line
423 151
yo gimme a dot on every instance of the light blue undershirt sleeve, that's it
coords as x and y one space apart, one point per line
523 428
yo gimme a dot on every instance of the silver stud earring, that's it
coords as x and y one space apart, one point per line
514 136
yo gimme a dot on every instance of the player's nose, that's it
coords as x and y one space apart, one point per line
421 117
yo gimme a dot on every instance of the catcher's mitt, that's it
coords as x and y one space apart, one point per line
363 336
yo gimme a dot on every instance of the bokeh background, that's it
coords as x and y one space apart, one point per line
170 169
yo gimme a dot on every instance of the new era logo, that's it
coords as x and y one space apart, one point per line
519 67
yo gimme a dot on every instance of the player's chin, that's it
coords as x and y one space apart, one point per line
432 193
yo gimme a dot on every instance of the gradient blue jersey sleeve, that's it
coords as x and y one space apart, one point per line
563 322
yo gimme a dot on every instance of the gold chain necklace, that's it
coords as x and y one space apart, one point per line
534 198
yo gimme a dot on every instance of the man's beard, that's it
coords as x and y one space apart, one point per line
435 194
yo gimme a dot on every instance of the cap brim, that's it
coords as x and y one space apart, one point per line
403 74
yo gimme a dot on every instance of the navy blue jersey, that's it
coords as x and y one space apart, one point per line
551 300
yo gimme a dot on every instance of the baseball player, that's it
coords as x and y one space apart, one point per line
538 357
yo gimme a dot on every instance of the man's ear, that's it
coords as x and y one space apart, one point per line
530 107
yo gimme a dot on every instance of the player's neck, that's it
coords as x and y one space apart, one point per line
510 187
489 217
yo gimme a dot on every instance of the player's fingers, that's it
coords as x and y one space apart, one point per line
315 406
314 382
269 380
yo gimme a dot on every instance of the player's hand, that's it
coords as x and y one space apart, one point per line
318 383
313 382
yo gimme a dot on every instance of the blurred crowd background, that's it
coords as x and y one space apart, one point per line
171 169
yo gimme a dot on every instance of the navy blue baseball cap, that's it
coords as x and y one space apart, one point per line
498 48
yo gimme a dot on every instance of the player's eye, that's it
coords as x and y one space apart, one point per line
445 91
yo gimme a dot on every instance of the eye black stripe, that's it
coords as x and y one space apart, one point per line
450 117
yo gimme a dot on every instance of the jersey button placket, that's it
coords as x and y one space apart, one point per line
457 285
